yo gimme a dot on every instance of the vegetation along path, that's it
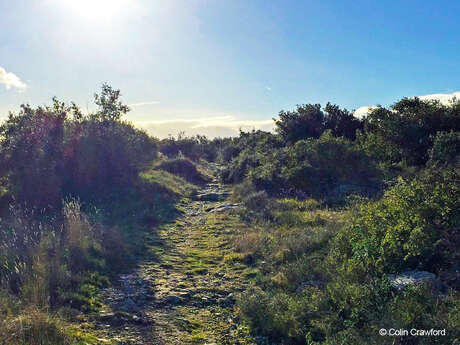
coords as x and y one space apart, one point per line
186 294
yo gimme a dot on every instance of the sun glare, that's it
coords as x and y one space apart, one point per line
97 9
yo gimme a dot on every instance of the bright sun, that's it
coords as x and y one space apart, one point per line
97 9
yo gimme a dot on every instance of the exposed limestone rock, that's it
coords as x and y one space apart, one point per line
414 277
226 207
211 196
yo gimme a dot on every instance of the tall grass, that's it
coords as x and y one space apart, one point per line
43 262
33 327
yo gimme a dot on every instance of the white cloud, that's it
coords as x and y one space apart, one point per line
212 127
11 80
268 88
444 98
141 104
362 112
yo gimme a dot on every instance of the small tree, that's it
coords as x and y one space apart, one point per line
110 106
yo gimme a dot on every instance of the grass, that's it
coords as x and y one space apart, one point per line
173 183
126 217
286 251
235 257
216 325
39 327
184 168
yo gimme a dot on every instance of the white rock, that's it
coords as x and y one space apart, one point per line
414 277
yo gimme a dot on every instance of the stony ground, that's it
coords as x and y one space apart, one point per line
184 292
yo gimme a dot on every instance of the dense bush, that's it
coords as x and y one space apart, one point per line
315 152
49 153
406 130
310 121
413 226
325 168
194 147
31 151
226 148
320 167
341 122
307 121
445 149
103 155
254 148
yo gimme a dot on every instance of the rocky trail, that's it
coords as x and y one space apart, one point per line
186 293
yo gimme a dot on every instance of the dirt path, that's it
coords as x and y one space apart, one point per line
187 295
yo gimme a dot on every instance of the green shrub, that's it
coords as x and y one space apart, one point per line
103 156
254 148
307 121
319 167
328 168
53 152
279 315
406 130
310 121
287 204
413 226
446 149
31 149
195 147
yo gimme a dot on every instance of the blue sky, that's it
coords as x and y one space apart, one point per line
211 66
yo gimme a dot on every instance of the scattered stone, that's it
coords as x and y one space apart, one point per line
105 316
226 207
212 196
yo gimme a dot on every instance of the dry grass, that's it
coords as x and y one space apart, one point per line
77 225
33 327
249 243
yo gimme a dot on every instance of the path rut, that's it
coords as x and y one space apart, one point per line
186 295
